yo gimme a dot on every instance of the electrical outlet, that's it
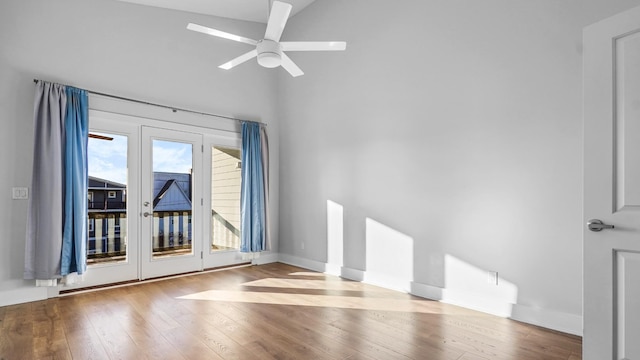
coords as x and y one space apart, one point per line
20 193
492 277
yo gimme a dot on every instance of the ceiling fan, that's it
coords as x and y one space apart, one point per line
270 50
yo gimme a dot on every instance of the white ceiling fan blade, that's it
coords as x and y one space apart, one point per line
290 66
277 20
239 60
221 34
313 45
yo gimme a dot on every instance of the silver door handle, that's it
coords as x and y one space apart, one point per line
598 225
146 214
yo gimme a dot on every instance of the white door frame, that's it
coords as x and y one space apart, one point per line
131 126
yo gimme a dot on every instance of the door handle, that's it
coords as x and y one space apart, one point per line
147 214
598 225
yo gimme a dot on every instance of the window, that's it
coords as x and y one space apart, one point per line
112 194
90 196
225 198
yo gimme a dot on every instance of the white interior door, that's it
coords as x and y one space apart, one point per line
171 222
612 188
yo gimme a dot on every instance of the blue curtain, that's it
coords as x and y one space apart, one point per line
57 217
253 194
74 239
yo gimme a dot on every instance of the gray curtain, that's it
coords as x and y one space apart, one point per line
45 215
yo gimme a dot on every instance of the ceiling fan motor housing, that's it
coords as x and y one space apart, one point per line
269 53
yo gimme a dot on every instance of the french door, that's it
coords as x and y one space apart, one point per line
163 199
172 202
112 242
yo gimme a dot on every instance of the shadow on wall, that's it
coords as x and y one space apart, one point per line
389 262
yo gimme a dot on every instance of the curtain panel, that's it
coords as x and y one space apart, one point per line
74 236
254 190
57 215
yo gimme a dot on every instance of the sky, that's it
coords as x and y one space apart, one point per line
108 159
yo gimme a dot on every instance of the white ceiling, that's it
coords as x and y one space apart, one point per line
250 10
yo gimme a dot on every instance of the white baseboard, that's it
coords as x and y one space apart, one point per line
352 274
564 322
426 291
266 258
22 295
302 262
376 279
333 269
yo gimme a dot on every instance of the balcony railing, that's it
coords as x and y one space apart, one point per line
225 236
107 237
107 205
171 235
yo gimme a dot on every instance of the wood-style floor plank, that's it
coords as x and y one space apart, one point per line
266 312
17 331
50 340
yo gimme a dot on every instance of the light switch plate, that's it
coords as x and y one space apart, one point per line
20 193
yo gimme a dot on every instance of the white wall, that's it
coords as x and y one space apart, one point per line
122 49
455 128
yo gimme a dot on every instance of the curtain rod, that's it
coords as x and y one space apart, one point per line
172 108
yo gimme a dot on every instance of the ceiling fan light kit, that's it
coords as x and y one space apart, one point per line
270 52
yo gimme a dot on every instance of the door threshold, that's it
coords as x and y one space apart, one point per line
87 289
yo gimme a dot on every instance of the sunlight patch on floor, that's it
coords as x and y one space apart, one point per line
316 285
330 301
303 273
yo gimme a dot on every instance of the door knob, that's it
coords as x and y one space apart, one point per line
598 225
146 214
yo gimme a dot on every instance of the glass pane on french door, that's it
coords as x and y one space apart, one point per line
225 198
107 196
172 198
222 202
171 236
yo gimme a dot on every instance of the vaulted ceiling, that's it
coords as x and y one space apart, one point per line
249 10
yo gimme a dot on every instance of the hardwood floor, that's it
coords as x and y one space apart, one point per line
273 311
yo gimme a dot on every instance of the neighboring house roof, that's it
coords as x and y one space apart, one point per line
95 182
171 190
171 198
160 180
